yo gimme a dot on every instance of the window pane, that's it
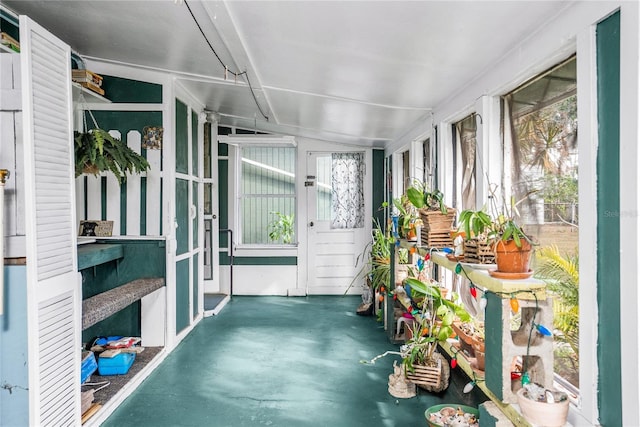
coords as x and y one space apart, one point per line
268 195
543 118
466 131
323 188
207 150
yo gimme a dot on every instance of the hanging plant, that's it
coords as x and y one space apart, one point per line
97 151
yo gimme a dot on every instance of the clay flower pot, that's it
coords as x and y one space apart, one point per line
512 259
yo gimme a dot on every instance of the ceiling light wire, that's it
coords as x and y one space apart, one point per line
226 68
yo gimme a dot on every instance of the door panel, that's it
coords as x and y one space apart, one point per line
187 216
331 253
182 216
53 283
183 319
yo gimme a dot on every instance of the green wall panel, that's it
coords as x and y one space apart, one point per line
183 318
125 121
182 215
378 181
195 286
141 259
182 138
9 25
194 144
118 89
223 149
608 227
493 339
223 194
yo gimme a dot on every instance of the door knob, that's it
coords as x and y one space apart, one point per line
311 224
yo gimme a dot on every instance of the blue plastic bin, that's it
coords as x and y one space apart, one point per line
89 366
117 365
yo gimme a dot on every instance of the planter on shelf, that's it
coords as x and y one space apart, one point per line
540 411
479 250
467 339
478 350
480 360
512 259
436 230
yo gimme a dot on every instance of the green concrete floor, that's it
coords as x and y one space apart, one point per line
277 361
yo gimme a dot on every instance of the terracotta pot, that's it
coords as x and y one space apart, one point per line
480 360
511 258
411 233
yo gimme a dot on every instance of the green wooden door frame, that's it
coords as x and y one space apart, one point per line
608 228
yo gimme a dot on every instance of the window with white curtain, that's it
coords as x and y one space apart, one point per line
347 190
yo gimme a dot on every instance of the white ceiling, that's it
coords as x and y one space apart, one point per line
359 72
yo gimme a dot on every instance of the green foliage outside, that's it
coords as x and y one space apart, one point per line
560 272
282 228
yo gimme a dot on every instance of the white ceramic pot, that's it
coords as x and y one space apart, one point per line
543 413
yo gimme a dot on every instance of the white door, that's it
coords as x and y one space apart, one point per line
53 284
333 255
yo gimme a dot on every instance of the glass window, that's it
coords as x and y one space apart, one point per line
466 136
267 195
541 128
323 188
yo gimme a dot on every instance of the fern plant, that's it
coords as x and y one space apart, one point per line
97 151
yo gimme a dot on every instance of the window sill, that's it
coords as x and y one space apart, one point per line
266 250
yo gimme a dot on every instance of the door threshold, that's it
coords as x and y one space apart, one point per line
213 303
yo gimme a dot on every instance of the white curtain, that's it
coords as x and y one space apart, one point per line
347 193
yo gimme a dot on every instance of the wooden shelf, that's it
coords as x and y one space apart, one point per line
89 95
90 255
481 278
507 409
7 49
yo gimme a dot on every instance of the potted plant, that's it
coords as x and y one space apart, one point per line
512 245
408 217
282 228
478 247
376 270
436 217
97 151
424 365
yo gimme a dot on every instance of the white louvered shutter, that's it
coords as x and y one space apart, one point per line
53 285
